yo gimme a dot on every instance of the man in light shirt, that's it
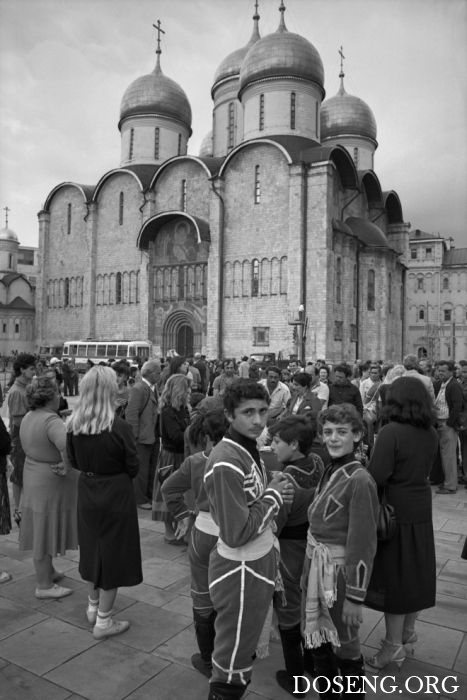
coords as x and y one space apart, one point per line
410 363
279 393
448 404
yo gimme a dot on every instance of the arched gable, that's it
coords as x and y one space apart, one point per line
341 158
113 173
369 182
393 207
254 142
152 225
85 190
177 159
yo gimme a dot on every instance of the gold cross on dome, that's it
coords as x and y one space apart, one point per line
159 31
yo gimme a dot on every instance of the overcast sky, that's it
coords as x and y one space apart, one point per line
65 64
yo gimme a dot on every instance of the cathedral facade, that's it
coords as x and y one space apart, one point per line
277 237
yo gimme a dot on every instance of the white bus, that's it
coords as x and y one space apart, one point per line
104 350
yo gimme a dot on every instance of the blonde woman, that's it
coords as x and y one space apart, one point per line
174 419
102 447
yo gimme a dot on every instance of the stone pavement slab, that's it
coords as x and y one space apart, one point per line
18 684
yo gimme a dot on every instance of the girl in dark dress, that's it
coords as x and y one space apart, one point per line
102 447
403 581
174 419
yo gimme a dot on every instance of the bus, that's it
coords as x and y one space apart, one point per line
105 350
46 352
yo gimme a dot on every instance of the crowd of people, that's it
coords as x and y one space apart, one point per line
275 478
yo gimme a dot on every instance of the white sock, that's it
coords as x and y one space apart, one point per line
104 619
93 605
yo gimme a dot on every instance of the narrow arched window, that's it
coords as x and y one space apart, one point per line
293 99
338 281
179 147
257 194
421 314
68 218
118 288
120 208
66 300
231 139
255 278
371 291
156 143
445 283
261 112
183 196
132 143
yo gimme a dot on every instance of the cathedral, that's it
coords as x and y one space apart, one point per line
278 237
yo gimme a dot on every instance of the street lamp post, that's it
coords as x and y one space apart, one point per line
300 328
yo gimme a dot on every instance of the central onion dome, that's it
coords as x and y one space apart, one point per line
155 93
231 65
345 114
282 54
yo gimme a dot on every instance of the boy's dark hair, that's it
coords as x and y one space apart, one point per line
345 369
273 368
302 379
244 390
298 428
213 424
23 361
195 398
342 414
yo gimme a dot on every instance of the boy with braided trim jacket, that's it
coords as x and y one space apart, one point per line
243 566
341 545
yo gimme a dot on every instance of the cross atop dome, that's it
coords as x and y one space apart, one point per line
6 210
159 31
282 9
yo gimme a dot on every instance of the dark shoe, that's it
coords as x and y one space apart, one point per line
204 667
445 491
326 669
296 687
354 670
225 691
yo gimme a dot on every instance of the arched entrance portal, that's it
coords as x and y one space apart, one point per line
182 332
184 344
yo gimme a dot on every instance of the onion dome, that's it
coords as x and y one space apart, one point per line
6 234
282 54
205 150
156 94
346 115
231 65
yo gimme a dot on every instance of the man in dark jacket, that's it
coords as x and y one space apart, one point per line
342 391
448 404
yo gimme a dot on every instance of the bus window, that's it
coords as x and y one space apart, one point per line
91 351
142 351
111 350
65 350
73 350
101 350
132 351
121 351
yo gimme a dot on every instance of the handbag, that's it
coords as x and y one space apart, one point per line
387 523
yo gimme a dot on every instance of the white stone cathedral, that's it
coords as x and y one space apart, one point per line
281 217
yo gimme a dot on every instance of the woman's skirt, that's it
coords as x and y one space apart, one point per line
17 457
5 516
167 463
108 531
49 522
404 571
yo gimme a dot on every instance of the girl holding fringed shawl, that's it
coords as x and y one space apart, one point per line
341 545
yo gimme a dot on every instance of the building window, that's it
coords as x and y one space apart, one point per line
261 335
257 192
183 203
447 314
413 253
445 283
390 294
68 218
429 253
261 112
353 333
120 209
255 278
156 143
370 300
420 283
317 120
421 315
338 281
179 147
355 157
293 99
338 330
4 327
231 139
118 288
66 300
132 143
